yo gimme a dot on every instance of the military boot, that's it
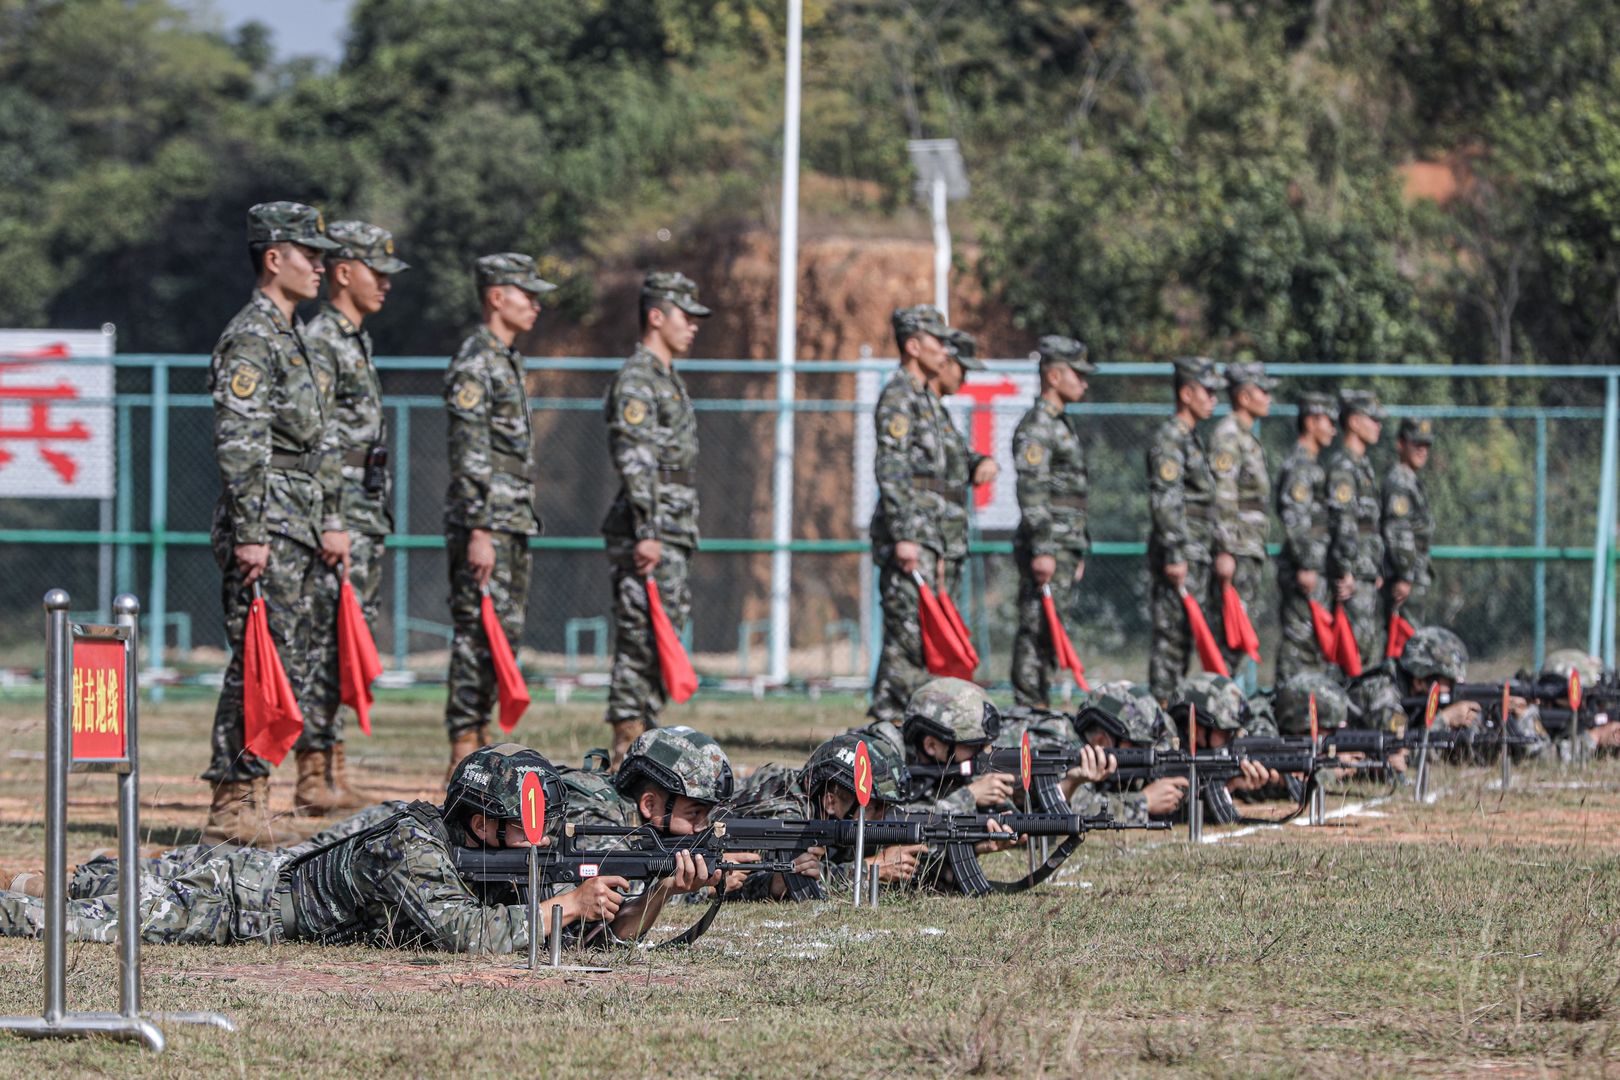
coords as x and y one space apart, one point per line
29 881
346 795
314 796
225 812
253 826
624 733
463 743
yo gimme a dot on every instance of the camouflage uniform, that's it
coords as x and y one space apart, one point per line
1301 500
340 355
911 478
1242 497
961 462
1130 713
652 437
1052 490
269 423
1408 526
491 441
1181 498
1356 547
956 712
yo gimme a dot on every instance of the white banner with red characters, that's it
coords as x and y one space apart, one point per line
56 417
987 410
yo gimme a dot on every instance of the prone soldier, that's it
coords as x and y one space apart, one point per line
1355 558
1242 494
1408 525
1301 495
1126 714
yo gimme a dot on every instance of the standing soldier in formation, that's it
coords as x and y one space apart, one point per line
1186 542
910 470
1242 494
964 469
1355 560
268 428
1301 565
489 511
355 517
1052 540
652 528
1408 526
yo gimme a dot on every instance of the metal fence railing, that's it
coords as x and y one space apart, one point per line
1523 473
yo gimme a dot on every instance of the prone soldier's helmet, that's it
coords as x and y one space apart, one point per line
833 762
1434 652
1292 703
951 710
680 760
1047 729
1561 662
489 781
1127 711
1215 700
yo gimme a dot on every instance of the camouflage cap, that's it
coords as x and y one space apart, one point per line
680 760
677 288
1291 706
1417 430
918 319
1434 651
1126 710
1364 402
1312 403
953 710
1561 662
288 222
964 349
1216 701
1057 349
1200 370
489 781
365 243
833 762
1250 373
510 268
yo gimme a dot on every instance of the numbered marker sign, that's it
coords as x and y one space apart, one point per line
1432 707
534 808
863 774
100 706
1311 703
1574 690
1024 767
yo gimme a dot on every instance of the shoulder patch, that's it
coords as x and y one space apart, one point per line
1034 454
1301 492
244 381
634 411
1400 506
1343 492
1224 462
1168 471
898 427
470 394
323 380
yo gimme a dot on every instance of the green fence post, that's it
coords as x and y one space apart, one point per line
124 507
1605 522
158 588
1541 539
402 522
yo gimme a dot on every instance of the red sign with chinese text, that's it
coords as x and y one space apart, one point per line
100 702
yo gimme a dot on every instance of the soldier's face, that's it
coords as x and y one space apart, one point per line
677 329
1364 427
688 816
1198 400
1321 429
1415 455
1255 401
836 802
928 351
951 377
517 308
366 288
296 269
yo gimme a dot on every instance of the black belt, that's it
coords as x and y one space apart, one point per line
1073 502
510 464
955 492
289 461
675 476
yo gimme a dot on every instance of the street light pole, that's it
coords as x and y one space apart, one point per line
787 318
941 179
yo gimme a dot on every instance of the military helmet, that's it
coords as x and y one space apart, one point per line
1292 704
1561 662
489 781
680 760
1434 652
953 710
833 762
1127 711
1216 700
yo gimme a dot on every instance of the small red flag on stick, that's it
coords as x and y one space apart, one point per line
1345 650
514 692
680 681
358 662
1061 645
1209 653
1326 639
970 654
1400 631
1240 634
271 719
943 652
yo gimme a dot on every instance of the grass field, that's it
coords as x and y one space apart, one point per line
1477 935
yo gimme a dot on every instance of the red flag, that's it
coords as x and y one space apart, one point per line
680 681
509 682
970 654
943 653
1326 639
358 662
1240 634
271 719
1399 631
1209 653
1347 655
1061 645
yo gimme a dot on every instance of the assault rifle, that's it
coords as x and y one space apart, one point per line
1047 769
959 835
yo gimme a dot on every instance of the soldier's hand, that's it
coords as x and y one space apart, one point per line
691 874
808 863
1254 777
987 471
1079 570
481 556
1225 566
335 548
985 847
1399 591
992 790
1176 574
1344 588
735 878
251 561
1095 764
647 555
1165 795
1042 567
596 900
897 862
907 554
1306 581
1459 714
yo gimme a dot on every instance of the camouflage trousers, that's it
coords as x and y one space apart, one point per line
199 895
1034 660
323 721
472 697
1247 578
900 664
289 584
636 689
1172 636
1298 649
1366 611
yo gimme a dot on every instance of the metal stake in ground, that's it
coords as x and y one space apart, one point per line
1318 796
1422 786
1195 807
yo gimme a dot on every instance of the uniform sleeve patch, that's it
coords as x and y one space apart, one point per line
1301 492
1033 454
898 427
469 395
1224 462
634 411
1168 471
1400 506
1343 492
244 380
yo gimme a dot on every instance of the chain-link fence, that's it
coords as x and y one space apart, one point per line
1515 481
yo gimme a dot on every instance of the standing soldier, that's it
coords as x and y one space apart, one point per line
964 469
1302 508
489 511
1355 559
356 510
268 429
1242 494
1052 539
652 528
1186 542
1408 526
910 471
